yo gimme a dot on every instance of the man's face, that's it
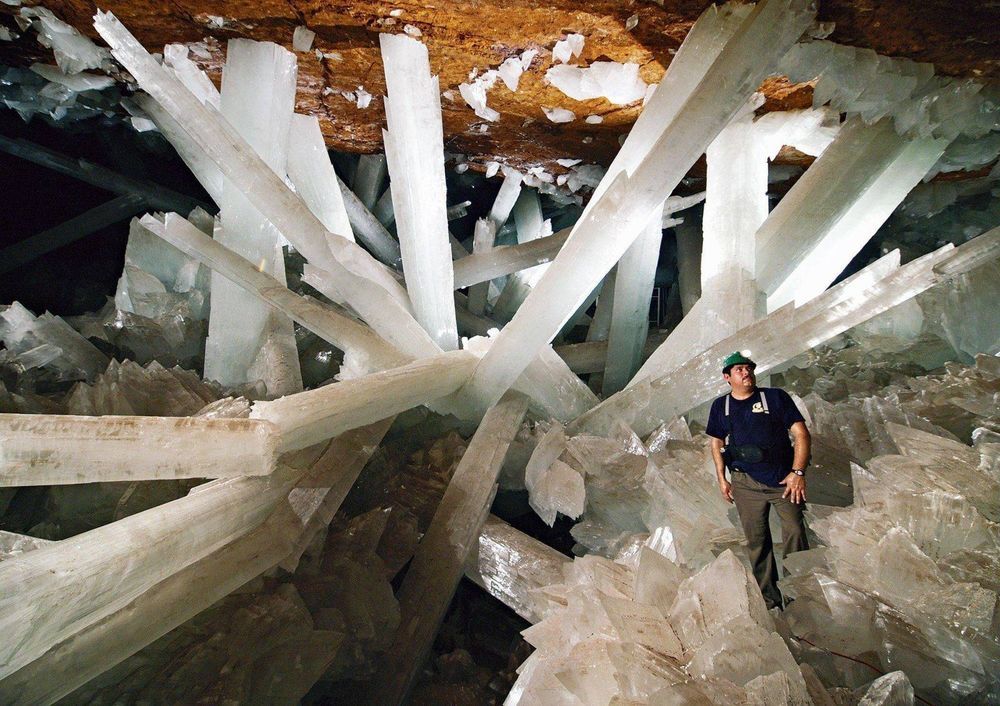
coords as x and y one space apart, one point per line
741 377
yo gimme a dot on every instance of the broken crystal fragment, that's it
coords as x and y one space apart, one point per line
618 83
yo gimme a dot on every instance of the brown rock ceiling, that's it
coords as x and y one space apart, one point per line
960 38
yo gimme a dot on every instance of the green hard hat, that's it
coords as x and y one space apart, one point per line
736 358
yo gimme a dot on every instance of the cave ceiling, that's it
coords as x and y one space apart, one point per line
465 37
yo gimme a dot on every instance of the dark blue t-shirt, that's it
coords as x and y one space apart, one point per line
748 423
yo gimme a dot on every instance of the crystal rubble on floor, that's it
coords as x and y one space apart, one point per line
352 276
183 595
247 340
49 344
553 486
788 332
414 145
437 567
652 632
632 198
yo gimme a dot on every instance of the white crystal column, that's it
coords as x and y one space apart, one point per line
368 178
531 225
414 146
630 309
309 417
615 219
689 239
53 449
505 259
483 237
836 207
440 559
310 170
352 276
257 98
786 333
735 207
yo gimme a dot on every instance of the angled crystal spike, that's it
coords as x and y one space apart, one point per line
366 349
312 174
439 562
786 333
414 146
355 278
836 207
617 216
307 418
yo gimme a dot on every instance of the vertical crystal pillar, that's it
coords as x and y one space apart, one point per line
258 97
414 145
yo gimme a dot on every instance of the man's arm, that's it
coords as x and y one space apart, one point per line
795 485
720 469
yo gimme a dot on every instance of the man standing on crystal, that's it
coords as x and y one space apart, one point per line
749 429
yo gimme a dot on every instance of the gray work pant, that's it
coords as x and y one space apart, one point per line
753 503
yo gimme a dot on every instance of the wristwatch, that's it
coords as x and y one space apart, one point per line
798 472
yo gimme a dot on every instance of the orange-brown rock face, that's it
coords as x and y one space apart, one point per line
467 36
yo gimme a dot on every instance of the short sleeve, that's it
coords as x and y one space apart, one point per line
716 422
790 414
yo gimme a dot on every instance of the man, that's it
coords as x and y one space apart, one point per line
751 425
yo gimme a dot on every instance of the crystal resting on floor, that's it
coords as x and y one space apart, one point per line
260 471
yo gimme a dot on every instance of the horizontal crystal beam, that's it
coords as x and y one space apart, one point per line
281 538
510 566
614 219
592 356
49 594
786 333
309 417
54 449
440 559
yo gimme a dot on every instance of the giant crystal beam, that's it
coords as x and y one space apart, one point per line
439 562
354 277
836 207
52 449
735 208
786 333
257 98
370 231
511 565
308 417
181 596
50 594
414 148
615 219
531 225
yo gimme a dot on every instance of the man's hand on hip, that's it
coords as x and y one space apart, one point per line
795 488
727 490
